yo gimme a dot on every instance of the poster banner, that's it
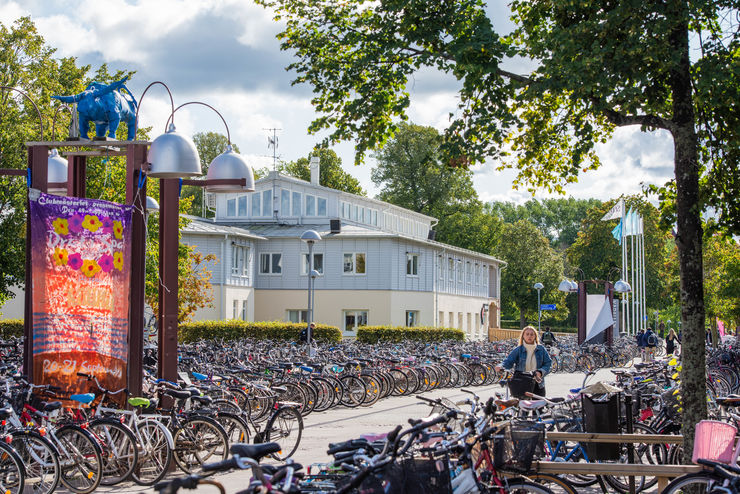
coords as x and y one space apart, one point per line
80 258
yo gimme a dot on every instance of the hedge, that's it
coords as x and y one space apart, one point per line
397 334
235 329
11 327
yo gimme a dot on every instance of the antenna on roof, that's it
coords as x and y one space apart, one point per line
272 142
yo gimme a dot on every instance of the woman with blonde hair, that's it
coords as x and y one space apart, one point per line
529 357
670 342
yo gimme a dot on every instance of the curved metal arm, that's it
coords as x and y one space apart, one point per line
172 102
228 135
54 118
41 122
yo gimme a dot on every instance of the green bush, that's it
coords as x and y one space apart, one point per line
11 327
235 329
397 334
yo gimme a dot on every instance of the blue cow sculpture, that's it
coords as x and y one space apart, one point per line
106 106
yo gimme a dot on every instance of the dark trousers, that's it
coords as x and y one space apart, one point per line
539 389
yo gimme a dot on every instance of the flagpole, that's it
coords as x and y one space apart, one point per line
642 248
635 288
625 296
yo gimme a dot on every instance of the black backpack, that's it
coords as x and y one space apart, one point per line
652 340
547 337
304 335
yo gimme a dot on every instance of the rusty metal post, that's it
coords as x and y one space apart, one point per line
135 160
38 163
169 241
77 176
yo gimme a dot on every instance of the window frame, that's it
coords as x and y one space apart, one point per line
415 316
270 264
300 313
412 269
304 262
354 263
355 312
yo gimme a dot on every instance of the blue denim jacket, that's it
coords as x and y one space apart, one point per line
518 360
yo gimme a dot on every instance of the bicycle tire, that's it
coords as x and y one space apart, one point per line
12 471
80 459
120 452
236 428
354 391
284 427
701 482
372 390
557 484
155 454
518 486
40 458
199 440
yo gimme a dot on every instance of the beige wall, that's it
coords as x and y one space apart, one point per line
13 308
465 313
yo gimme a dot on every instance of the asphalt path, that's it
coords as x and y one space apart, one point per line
341 424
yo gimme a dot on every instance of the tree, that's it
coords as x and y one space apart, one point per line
558 219
530 260
331 173
721 272
411 175
599 65
209 145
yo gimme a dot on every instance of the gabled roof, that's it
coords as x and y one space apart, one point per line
204 226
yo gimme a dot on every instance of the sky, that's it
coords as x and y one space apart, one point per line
225 53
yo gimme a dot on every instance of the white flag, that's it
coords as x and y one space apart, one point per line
615 212
640 230
627 228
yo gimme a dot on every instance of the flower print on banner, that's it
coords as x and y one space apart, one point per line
61 226
90 268
118 260
74 261
107 225
60 256
106 263
75 223
118 230
91 223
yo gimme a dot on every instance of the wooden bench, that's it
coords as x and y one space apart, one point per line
663 472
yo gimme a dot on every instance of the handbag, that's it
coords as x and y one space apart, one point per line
521 383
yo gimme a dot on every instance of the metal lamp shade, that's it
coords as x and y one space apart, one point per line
230 165
573 286
56 172
565 286
622 286
173 155
151 204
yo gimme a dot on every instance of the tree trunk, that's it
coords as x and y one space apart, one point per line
522 320
689 233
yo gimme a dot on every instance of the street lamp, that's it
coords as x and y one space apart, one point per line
539 287
310 237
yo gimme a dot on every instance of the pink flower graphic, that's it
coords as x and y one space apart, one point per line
107 226
75 223
106 263
74 261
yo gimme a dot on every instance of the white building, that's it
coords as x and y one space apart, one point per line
378 263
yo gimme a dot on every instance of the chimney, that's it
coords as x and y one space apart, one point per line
314 166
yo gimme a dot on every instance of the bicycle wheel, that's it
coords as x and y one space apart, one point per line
80 459
40 459
199 440
354 391
694 483
120 452
12 473
372 390
285 427
518 486
237 430
557 484
155 452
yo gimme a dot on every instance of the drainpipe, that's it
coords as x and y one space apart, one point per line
223 276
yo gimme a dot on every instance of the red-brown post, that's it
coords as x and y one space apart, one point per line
169 241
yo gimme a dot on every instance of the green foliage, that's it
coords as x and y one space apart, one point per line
399 334
331 173
11 327
530 260
235 329
722 272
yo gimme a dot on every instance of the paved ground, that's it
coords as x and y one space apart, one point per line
342 424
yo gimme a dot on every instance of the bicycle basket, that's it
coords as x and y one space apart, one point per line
520 384
409 476
672 403
516 445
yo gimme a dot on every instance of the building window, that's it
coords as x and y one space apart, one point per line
477 274
375 217
318 263
412 318
231 207
239 260
320 206
284 202
296 203
354 263
242 206
468 273
310 205
450 270
266 203
459 271
297 315
440 268
353 319
441 319
244 310
235 310
412 264
271 263
256 209
485 275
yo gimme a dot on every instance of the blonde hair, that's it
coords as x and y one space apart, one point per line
673 333
536 335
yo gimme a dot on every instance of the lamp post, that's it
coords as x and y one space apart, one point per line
539 287
310 237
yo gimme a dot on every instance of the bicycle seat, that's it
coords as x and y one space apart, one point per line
575 390
254 451
729 401
52 405
178 394
83 398
138 401
273 469
5 413
532 404
199 376
203 400
512 402
557 399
